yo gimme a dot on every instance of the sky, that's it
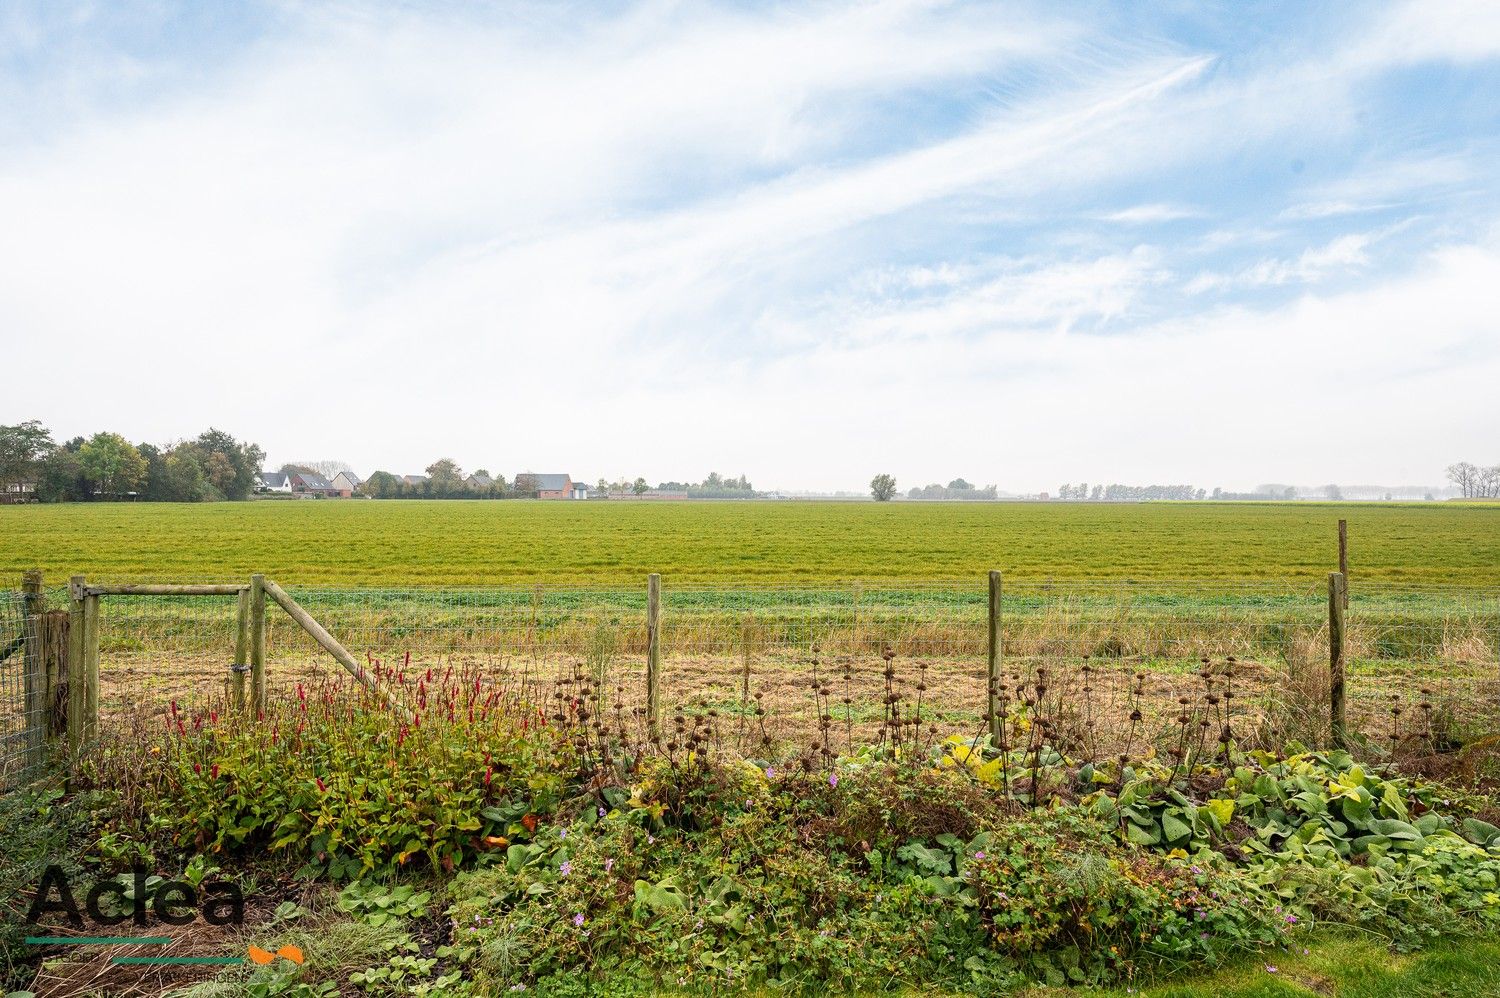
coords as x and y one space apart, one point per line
1024 244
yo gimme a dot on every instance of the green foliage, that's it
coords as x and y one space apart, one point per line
348 786
39 828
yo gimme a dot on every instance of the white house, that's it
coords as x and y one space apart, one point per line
274 481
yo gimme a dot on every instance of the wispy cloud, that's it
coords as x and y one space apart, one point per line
833 238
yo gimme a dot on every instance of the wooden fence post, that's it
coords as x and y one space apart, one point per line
90 666
992 698
1337 593
77 694
35 670
258 643
653 653
1344 558
241 650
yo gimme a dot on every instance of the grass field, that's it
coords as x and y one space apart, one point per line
461 543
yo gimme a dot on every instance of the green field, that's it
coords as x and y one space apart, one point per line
393 543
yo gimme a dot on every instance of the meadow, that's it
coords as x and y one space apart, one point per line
394 543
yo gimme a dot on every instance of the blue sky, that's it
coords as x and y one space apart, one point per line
1023 244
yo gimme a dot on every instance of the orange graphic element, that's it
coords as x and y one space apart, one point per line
264 957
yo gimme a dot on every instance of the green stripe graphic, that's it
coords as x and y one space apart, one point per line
221 960
98 940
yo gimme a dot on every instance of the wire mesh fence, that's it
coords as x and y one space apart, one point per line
791 662
22 700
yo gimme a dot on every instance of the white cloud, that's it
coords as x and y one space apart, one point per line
395 234
1145 214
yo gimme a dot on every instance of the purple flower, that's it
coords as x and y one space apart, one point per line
602 812
1291 920
979 855
562 833
578 919
833 779
566 868
609 864
770 772
1270 969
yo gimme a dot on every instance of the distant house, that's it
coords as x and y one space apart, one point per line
18 492
479 481
274 481
578 491
549 486
347 482
310 483
414 479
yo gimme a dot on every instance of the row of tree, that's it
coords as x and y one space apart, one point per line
1474 481
956 489
1117 491
446 480
106 466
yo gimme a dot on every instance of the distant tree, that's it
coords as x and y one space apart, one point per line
1466 476
1290 492
111 463
1488 486
328 469
527 486
602 487
640 488
298 469
23 447
959 485
62 478
1098 493
883 487
383 485
445 476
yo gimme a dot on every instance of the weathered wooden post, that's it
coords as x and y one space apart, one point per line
77 694
1337 593
653 653
1344 558
241 664
992 695
90 666
34 669
258 643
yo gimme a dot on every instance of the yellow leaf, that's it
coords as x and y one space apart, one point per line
1223 810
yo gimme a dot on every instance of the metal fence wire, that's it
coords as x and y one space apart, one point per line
21 701
790 662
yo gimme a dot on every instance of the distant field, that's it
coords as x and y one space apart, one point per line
389 543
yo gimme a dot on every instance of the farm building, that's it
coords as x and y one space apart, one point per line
310 483
414 479
347 482
479 480
552 486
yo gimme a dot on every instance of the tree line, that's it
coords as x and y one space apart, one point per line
106 467
1474 481
1116 491
446 480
